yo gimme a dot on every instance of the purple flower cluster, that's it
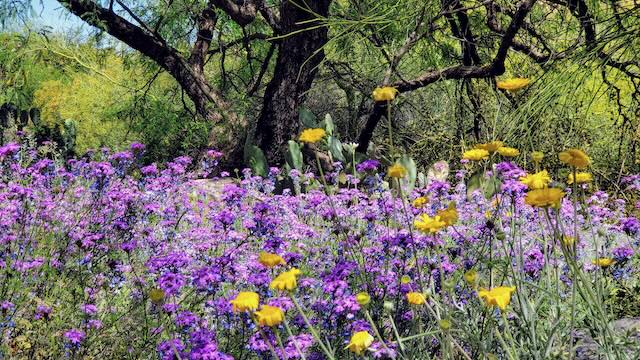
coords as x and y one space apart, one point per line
105 248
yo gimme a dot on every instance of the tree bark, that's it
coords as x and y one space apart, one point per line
299 55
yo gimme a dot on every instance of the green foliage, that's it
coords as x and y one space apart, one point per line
577 100
412 171
335 148
257 161
293 155
112 99
307 118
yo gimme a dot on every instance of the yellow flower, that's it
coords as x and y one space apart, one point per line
581 178
416 298
420 202
499 296
450 215
513 85
312 135
537 156
359 342
575 157
397 171
286 281
156 295
491 147
270 260
245 301
269 315
544 197
539 180
476 154
405 279
471 277
603 262
386 93
363 298
428 224
508 151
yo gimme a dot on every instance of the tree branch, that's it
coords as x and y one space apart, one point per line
242 14
580 11
242 40
272 18
470 54
409 42
156 49
206 24
529 50
496 67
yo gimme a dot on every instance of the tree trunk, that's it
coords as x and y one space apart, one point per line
296 66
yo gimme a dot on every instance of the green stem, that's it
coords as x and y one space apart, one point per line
295 343
375 329
390 128
313 331
266 339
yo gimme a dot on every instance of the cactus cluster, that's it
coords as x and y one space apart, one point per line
14 120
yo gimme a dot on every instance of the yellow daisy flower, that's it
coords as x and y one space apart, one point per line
269 315
491 147
476 154
539 180
397 171
359 342
544 197
603 262
581 178
270 260
386 93
498 296
508 151
416 298
286 281
513 85
312 136
245 301
575 157
429 225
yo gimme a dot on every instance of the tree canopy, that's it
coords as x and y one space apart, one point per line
244 70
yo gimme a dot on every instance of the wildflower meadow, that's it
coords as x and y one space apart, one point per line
319 179
102 258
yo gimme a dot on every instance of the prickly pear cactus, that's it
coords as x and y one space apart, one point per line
34 115
8 122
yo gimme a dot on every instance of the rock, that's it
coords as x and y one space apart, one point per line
212 187
627 333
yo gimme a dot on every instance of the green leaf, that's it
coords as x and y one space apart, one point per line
256 160
293 156
474 182
412 171
477 181
307 118
327 125
422 180
335 147
491 186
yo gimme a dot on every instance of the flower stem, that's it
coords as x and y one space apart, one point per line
311 328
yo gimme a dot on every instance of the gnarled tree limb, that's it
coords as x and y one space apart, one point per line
496 67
